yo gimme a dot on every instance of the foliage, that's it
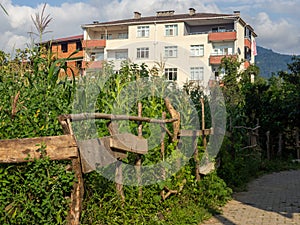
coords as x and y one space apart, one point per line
271 106
33 96
35 193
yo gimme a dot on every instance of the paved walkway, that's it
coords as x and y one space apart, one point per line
273 199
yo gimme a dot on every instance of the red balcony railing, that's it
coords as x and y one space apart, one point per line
246 64
94 43
216 59
222 36
247 43
92 64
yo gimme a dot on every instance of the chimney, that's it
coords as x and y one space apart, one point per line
192 11
237 13
137 15
165 13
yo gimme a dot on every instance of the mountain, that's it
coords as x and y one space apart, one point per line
270 62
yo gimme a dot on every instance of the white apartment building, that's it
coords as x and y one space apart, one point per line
182 47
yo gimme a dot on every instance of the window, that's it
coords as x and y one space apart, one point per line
247 33
197 73
218 29
171 73
78 45
142 53
106 36
222 50
79 64
171 30
143 31
170 51
64 47
121 55
197 50
97 56
122 35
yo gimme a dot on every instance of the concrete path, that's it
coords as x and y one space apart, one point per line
273 199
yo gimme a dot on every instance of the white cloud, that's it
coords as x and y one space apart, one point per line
279 35
275 21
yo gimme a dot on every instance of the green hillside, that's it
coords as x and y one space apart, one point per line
271 62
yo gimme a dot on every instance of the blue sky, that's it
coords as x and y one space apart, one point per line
275 21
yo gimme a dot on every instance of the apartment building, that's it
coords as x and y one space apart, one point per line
69 48
181 47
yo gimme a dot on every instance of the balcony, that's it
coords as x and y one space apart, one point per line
216 59
246 64
222 36
247 43
94 43
92 64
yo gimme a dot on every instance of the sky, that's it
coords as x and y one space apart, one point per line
276 22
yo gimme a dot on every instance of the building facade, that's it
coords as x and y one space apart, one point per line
69 48
182 47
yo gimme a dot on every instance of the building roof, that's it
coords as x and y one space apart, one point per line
162 19
64 39
71 38
171 17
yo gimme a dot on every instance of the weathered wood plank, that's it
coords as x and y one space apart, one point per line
191 133
129 143
106 150
94 152
57 148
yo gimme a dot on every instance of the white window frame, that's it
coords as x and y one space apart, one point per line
122 35
171 30
106 36
197 50
121 54
170 51
196 73
143 31
223 50
171 73
142 53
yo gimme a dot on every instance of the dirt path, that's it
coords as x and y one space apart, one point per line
273 199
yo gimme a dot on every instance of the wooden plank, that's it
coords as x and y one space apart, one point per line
57 148
94 152
191 133
129 143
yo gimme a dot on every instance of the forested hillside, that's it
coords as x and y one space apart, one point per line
271 62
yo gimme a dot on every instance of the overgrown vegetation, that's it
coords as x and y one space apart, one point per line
264 110
34 95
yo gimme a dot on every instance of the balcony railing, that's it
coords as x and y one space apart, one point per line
229 35
94 43
246 64
92 64
247 42
216 59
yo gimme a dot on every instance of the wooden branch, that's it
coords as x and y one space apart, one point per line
22 150
175 115
113 130
167 130
165 195
138 162
77 193
198 133
87 116
247 128
251 146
